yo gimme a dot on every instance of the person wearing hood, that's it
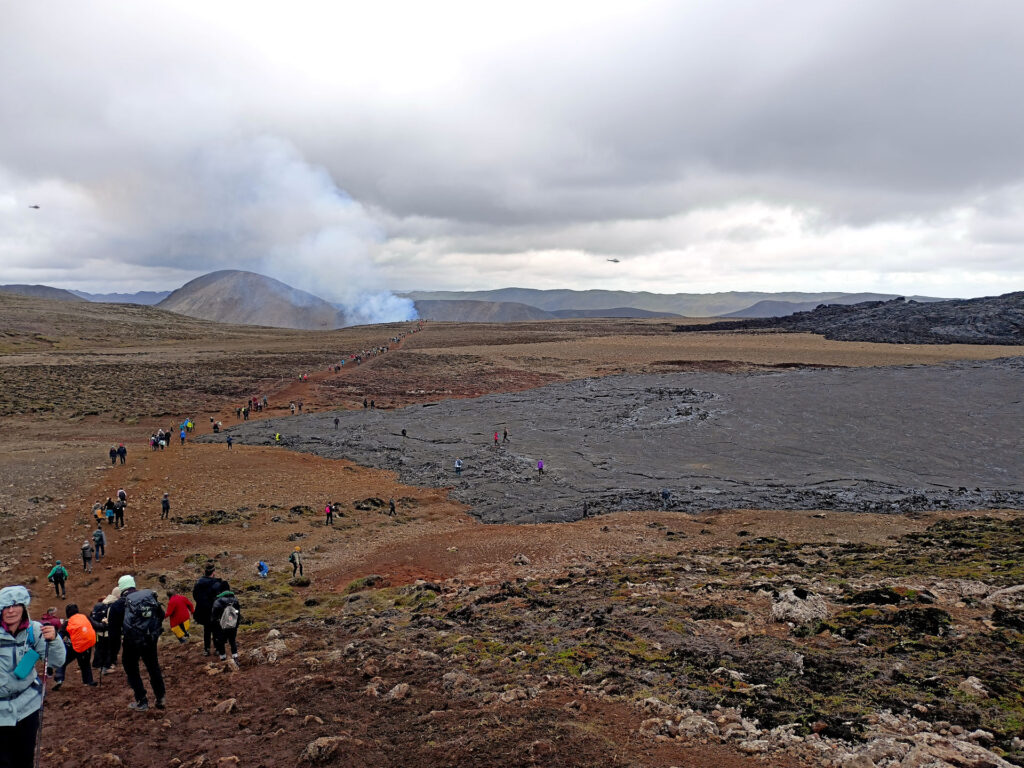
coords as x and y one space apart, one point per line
58 576
224 616
87 552
99 540
137 617
204 593
22 643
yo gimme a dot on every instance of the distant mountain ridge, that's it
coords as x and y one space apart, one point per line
246 298
145 298
41 292
685 304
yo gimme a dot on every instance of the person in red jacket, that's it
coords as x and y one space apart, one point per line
179 615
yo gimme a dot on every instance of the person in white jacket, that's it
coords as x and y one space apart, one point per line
23 643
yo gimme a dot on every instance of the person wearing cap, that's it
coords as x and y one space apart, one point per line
22 641
295 558
204 593
133 653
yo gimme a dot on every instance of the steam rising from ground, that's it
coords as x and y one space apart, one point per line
244 203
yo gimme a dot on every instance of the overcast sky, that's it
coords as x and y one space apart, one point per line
352 147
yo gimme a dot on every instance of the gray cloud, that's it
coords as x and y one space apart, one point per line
171 140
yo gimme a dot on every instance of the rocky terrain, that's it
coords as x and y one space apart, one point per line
873 439
991 320
636 637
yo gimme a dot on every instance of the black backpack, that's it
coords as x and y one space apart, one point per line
143 618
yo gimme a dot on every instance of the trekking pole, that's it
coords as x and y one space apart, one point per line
42 702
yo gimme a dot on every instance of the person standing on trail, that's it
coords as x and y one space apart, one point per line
24 642
540 466
97 511
328 514
504 435
137 620
119 513
59 575
122 496
122 452
291 406
99 540
295 558
165 506
80 638
182 436
179 612
495 438
231 442
87 553
113 455
458 467
225 616
336 422
666 497
105 655
391 507
204 593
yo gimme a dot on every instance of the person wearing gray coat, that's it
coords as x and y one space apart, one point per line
23 643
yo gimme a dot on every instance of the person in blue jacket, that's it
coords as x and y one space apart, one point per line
22 642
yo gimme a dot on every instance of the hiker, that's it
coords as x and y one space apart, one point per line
58 576
295 558
79 639
262 569
277 437
179 611
165 506
292 407
23 643
504 436
495 438
230 442
300 406
136 619
458 467
87 553
119 513
225 616
99 540
182 436
666 497
540 466
113 455
404 434
204 593
336 422
122 452
106 653
122 495
329 514
391 507
97 512
373 405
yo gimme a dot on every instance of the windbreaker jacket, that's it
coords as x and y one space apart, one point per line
20 698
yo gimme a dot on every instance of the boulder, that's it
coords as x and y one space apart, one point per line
799 607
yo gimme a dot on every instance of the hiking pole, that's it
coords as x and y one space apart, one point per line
42 702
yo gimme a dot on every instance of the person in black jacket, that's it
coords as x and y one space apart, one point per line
203 594
225 634
144 650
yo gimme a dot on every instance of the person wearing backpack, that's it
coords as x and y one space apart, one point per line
225 615
59 575
79 639
22 643
99 540
295 558
204 593
87 553
179 611
136 620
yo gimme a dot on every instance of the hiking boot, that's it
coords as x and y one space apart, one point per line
139 706
223 657
161 703
206 652
234 657
92 684
57 684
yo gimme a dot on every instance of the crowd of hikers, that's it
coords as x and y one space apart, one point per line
127 622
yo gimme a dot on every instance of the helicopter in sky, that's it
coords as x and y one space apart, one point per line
613 261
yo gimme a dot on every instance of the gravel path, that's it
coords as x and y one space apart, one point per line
873 439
